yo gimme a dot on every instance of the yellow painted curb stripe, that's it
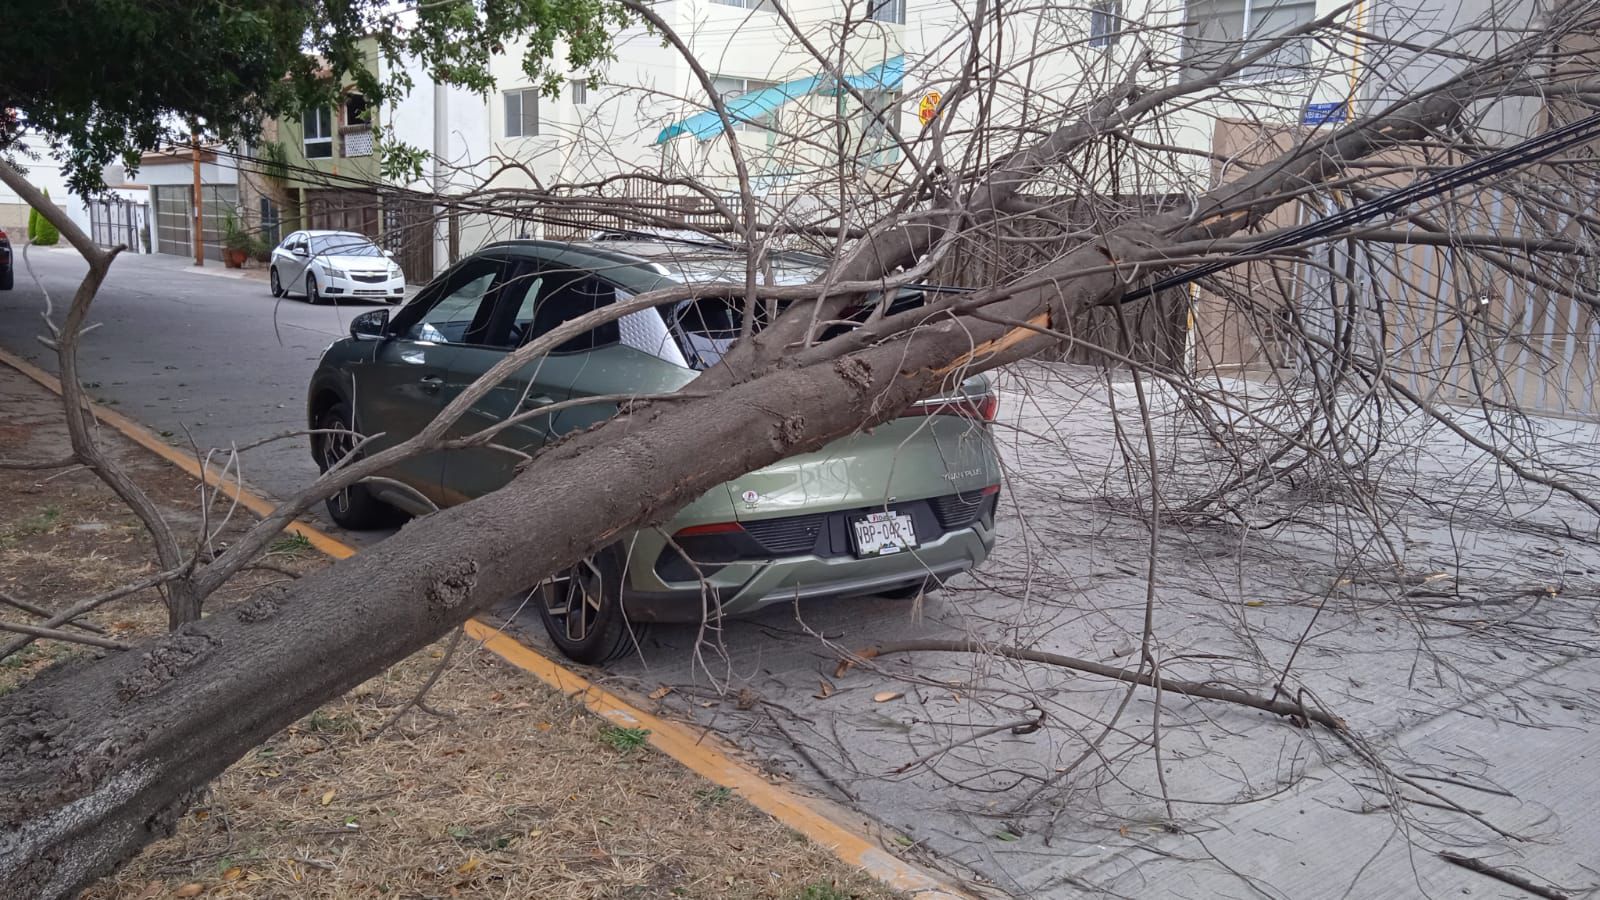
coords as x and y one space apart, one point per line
699 753
151 441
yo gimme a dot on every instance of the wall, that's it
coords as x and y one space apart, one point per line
44 173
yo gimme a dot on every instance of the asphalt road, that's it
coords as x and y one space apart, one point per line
1491 704
208 357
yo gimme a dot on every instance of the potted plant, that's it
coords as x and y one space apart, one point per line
236 243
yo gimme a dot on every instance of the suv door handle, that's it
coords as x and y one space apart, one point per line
431 383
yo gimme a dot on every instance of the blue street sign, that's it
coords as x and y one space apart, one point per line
1323 113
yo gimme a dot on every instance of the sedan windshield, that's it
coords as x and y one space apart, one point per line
343 245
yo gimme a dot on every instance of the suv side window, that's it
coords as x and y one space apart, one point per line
564 295
461 309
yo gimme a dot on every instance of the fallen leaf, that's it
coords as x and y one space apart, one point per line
1005 836
824 689
435 654
327 797
467 867
660 692
232 874
1255 603
192 889
202 815
747 699
152 890
523 705
886 696
497 696
544 726
1123 830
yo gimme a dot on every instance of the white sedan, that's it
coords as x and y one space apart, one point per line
331 265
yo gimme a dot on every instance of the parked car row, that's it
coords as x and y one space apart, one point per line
890 512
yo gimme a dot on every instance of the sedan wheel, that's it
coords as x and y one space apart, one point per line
312 297
583 614
277 288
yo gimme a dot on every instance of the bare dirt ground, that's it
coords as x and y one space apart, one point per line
508 790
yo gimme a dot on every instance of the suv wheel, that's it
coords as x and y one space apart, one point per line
582 611
354 507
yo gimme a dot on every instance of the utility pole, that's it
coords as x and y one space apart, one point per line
199 234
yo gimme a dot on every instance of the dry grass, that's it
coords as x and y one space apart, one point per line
518 793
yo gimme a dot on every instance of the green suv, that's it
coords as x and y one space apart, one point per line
890 512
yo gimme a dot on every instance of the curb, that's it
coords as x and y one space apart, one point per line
702 753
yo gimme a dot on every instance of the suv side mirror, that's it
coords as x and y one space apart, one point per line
370 326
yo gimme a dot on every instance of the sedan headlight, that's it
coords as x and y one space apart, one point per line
394 271
332 271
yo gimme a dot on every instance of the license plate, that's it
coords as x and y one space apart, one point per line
883 533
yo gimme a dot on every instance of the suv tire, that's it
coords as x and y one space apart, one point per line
582 611
354 507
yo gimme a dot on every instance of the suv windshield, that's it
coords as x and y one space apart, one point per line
343 245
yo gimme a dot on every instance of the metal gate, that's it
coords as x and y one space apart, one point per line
334 210
1445 325
175 217
408 232
173 222
118 220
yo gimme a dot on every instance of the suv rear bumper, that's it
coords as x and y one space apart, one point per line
810 577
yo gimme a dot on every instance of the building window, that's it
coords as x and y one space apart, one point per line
355 110
732 88
522 113
1105 22
887 11
270 221
580 91
318 126
1221 31
761 5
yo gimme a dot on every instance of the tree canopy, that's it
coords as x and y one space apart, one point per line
103 80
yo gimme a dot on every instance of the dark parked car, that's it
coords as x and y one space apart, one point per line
7 271
888 512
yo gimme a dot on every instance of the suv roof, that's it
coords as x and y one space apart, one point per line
678 260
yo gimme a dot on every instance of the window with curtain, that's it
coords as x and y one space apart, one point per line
1105 22
317 125
732 88
1223 30
522 113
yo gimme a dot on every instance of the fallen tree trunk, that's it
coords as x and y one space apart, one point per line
96 762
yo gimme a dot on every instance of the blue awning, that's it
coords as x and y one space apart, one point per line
752 107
